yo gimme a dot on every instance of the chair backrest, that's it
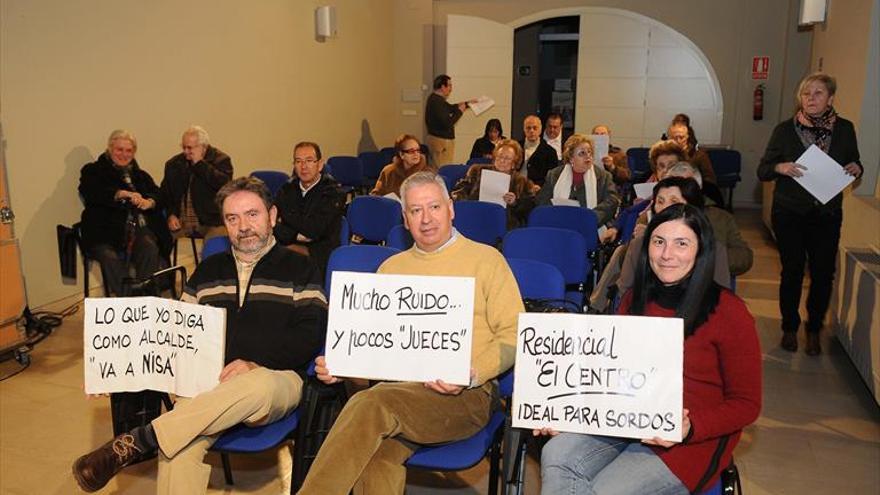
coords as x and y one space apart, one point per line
639 165
480 221
344 232
727 165
562 248
273 179
215 245
388 154
366 259
478 160
581 220
505 384
372 217
373 163
628 219
452 174
399 238
536 279
348 170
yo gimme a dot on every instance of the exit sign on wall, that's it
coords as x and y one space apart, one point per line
760 67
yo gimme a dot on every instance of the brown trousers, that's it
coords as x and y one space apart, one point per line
375 433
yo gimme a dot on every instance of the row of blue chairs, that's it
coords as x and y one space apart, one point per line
727 165
506 446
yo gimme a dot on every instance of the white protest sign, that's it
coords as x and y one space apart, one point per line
608 375
149 343
400 327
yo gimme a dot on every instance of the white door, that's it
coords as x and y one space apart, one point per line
479 59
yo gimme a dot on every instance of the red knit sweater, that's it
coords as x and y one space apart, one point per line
722 388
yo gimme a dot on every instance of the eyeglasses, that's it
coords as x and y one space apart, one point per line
583 153
411 151
307 161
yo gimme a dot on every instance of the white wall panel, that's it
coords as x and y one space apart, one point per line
612 61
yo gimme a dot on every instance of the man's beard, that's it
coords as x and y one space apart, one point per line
250 242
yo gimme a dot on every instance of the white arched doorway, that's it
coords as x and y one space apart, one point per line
634 74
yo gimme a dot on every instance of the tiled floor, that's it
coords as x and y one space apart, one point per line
819 432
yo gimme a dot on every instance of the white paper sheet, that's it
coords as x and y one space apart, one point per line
394 196
564 202
483 103
600 143
493 186
645 190
824 178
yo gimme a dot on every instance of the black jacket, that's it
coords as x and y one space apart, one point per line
441 116
208 176
541 161
282 323
317 215
104 218
786 146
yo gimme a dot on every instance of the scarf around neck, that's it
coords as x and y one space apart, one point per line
815 130
563 187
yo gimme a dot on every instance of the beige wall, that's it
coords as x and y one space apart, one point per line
728 33
251 72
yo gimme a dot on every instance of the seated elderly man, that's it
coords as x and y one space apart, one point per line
274 327
539 157
380 427
192 179
615 161
310 207
122 221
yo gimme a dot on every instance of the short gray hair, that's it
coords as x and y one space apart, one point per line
199 132
249 184
420 179
685 169
122 134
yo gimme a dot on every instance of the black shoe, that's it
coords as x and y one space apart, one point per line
789 341
93 470
814 348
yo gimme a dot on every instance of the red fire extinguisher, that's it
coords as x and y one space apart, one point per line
758 103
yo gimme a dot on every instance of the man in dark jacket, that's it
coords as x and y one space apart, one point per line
275 324
309 207
191 181
539 157
122 220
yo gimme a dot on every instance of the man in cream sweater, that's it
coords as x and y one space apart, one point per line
381 427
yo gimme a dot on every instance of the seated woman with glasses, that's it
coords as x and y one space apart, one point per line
577 179
407 161
520 197
721 388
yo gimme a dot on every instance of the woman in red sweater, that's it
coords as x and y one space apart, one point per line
722 374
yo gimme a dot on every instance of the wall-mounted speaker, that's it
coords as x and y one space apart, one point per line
812 12
325 21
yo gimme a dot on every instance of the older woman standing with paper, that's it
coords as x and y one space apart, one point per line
807 231
721 387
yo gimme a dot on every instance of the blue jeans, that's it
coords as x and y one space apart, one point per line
573 463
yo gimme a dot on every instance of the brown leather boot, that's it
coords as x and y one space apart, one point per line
814 348
789 341
93 470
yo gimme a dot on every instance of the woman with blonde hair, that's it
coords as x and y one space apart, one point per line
807 231
520 198
577 179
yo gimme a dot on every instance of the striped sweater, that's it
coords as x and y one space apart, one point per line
283 319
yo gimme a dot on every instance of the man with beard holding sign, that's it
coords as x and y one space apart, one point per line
275 323
381 427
